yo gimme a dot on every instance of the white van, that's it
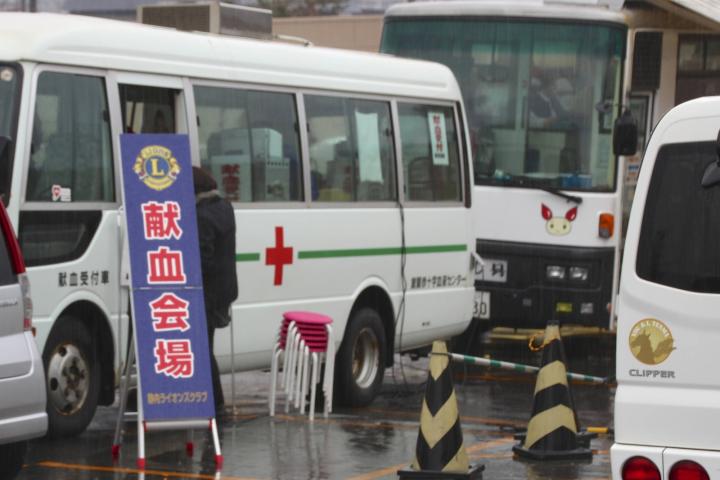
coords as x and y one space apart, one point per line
667 406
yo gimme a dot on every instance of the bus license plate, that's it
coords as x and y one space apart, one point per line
482 305
492 270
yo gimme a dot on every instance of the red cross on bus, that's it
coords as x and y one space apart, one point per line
279 255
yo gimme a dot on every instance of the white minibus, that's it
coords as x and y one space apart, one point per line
667 405
349 174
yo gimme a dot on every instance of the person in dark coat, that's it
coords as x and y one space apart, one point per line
216 233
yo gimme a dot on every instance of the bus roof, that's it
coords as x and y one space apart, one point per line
99 43
556 10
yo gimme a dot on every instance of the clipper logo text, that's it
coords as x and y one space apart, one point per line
156 167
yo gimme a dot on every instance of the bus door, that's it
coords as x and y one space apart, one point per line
68 232
437 230
145 104
69 191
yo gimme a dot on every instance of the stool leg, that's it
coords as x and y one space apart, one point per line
274 378
313 384
288 336
306 379
299 388
295 365
327 392
329 371
286 360
299 399
290 377
297 385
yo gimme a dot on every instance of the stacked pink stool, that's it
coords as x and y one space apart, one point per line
305 341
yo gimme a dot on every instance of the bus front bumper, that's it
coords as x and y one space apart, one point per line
514 287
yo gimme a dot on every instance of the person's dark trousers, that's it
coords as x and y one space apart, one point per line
215 371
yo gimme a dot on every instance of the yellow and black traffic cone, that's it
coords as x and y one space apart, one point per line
552 432
440 452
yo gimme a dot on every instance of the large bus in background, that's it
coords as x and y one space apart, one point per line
349 175
544 82
542 85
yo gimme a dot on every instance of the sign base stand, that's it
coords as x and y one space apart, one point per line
145 426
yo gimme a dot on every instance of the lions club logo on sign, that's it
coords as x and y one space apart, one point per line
156 167
651 341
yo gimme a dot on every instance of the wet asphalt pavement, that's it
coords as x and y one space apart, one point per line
362 444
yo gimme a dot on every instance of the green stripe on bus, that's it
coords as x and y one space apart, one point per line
247 257
437 249
367 252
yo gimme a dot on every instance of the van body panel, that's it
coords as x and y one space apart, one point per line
22 409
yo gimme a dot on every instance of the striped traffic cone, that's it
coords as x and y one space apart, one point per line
440 452
552 432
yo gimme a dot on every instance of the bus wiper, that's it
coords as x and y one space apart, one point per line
569 198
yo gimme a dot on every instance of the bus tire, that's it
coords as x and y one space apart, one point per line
12 457
73 378
361 359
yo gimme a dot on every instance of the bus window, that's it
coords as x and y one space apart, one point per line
71 158
430 153
148 109
250 144
351 149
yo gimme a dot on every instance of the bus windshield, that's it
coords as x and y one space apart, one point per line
541 96
9 102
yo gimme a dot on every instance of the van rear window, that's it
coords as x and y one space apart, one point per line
680 233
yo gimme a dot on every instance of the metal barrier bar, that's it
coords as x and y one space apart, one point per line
519 367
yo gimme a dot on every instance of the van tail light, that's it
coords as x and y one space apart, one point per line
688 470
640 468
27 302
606 225
18 264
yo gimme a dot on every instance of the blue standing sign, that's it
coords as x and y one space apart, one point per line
168 306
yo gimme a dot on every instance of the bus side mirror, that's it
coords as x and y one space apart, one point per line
625 135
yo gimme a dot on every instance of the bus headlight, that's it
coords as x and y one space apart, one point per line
555 272
579 274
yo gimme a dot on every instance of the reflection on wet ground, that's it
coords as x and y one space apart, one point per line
361 444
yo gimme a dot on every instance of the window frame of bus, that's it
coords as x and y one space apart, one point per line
194 132
304 133
393 138
83 208
462 155
111 104
19 70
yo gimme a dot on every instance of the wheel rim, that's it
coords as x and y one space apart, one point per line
68 379
366 358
